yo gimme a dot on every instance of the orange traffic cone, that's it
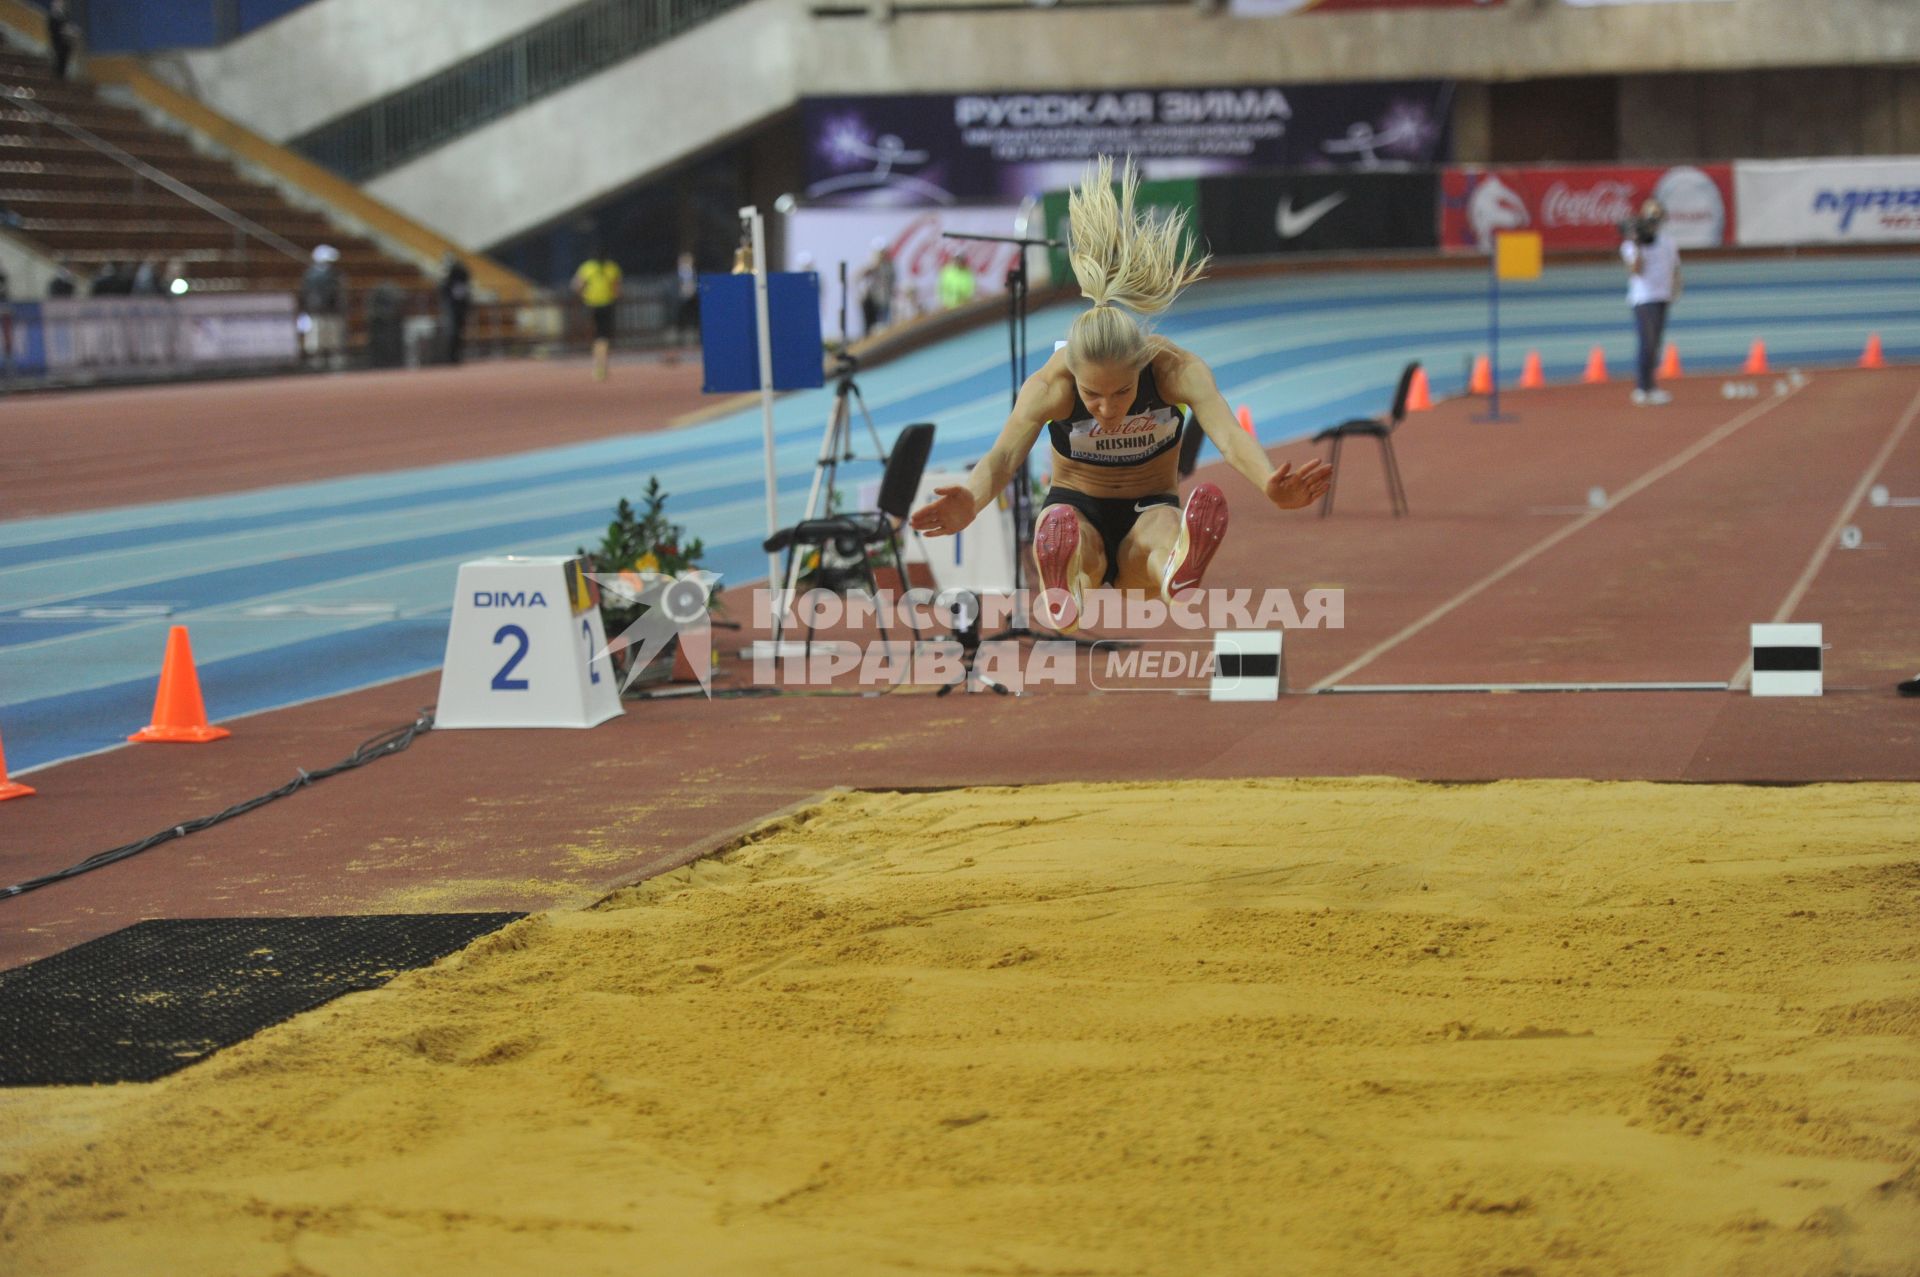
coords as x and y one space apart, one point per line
1596 367
1531 375
178 712
1419 394
1756 359
1670 366
1872 357
1481 382
1246 420
10 788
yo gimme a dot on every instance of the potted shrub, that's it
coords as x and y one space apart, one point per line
638 541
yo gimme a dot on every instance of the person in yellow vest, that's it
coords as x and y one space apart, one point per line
598 284
956 283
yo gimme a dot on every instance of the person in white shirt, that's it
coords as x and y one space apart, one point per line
1653 284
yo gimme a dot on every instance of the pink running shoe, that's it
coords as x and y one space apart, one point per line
1203 525
1056 548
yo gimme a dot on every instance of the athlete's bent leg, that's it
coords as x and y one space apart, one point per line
1143 555
1167 552
1070 559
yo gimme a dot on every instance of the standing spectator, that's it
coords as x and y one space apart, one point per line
62 34
323 300
6 319
456 293
686 313
876 290
386 338
63 283
1653 284
146 281
114 280
598 284
956 283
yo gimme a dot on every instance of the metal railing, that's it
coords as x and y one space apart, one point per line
542 60
243 226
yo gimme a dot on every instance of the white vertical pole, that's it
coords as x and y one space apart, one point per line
763 325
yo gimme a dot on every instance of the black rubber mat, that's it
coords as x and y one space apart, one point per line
154 997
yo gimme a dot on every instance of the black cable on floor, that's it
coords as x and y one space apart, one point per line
381 746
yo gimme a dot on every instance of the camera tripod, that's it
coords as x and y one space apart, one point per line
963 617
836 446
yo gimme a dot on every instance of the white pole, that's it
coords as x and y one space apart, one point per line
763 325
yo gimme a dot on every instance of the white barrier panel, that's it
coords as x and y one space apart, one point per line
120 336
522 648
1786 660
1246 666
913 238
1866 201
980 558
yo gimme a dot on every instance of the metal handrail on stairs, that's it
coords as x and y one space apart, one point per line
22 97
545 58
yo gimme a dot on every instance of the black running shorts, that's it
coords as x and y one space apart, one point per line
1113 516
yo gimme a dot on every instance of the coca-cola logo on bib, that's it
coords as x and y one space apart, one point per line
1131 426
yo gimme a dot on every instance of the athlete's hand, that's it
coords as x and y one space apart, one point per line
1292 489
950 510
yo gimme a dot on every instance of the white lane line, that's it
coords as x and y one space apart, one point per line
1540 547
1350 688
1827 542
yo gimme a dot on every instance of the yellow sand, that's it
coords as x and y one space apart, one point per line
1266 1027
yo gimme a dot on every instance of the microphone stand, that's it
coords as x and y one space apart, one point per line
1023 482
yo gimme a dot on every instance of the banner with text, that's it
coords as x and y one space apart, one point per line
1582 208
168 336
1869 201
915 240
1275 8
931 149
1318 213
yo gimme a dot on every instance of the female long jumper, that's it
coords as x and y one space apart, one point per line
1111 402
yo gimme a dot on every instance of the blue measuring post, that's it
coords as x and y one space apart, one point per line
1493 332
729 332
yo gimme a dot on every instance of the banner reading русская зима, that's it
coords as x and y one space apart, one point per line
917 150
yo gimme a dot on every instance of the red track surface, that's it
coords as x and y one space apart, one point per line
82 451
1721 510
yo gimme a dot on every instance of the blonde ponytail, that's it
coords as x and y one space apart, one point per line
1122 259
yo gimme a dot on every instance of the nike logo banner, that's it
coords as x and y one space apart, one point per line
1340 211
1292 224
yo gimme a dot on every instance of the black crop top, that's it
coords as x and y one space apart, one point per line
1152 426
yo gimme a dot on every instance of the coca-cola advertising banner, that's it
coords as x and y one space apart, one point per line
1272 8
1582 208
819 239
1829 201
920 150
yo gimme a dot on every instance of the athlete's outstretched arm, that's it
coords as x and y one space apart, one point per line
1191 382
954 508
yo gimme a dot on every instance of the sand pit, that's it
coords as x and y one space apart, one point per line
1309 1027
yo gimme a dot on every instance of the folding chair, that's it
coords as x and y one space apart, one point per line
1375 428
854 536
